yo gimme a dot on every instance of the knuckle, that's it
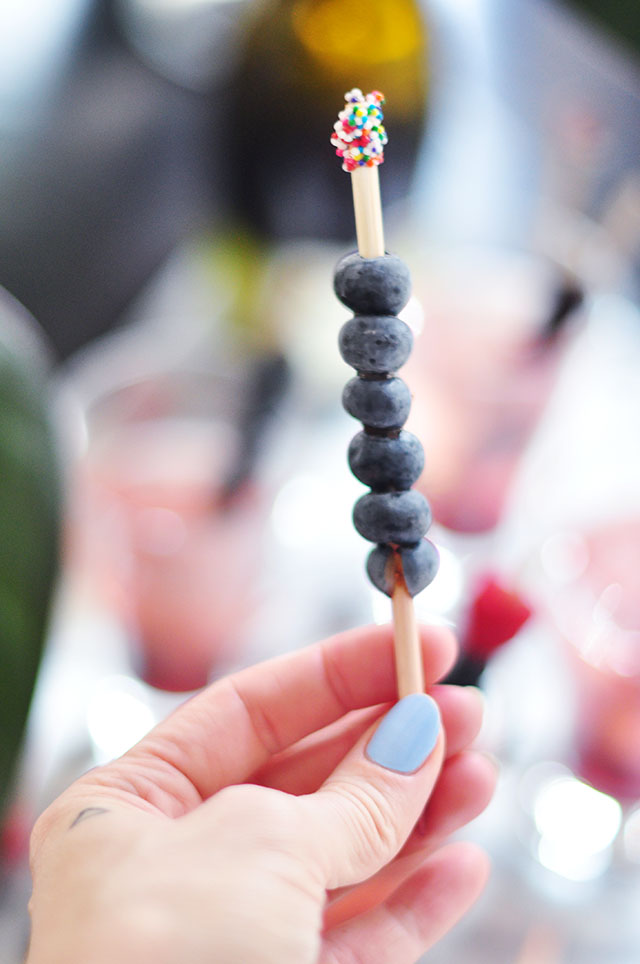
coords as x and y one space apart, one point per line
372 820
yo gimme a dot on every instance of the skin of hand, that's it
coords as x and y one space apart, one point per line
253 826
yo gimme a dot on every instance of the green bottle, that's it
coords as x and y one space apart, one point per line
29 523
297 60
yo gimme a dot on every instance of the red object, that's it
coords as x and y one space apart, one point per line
495 616
14 837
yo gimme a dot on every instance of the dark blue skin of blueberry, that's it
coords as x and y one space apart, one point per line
399 518
419 566
385 463
380 403
372 286
375 343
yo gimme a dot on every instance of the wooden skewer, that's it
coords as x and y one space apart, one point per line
365 185
369 232
409 673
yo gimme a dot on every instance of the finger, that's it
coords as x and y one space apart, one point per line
303 767
462 710
417 915
350 902
465 787
463 790
232 728
362 815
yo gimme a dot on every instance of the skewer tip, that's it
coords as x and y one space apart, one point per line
359 134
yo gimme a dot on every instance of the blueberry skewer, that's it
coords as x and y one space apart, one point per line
376 286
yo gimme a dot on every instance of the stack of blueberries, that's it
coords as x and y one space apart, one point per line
383 455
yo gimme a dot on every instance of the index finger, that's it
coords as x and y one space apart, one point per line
237 724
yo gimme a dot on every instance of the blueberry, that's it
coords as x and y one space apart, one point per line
372 286
386 463
375 343
381 403
400 518
419 566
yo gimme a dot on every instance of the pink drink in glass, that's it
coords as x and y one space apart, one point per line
482 370
599 617
164 546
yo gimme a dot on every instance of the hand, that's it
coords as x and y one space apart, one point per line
254 825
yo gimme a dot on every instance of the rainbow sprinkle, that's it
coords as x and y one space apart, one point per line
360 136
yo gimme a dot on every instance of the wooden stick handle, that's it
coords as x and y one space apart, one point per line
409 672
367 208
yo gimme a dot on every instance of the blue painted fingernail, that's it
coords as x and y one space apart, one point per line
406 735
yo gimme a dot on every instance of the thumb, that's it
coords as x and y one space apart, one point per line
362 815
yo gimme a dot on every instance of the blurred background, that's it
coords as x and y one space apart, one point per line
174 495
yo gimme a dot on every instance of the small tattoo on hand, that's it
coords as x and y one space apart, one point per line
88 812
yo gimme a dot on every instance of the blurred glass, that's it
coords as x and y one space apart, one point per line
597 615
163 531
497 324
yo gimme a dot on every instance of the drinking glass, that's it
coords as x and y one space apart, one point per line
497 324
164 531
597 616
